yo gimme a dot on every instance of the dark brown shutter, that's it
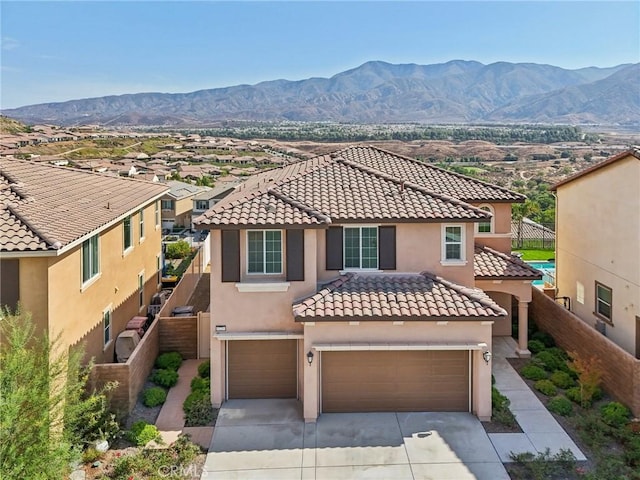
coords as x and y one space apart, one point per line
295 255
334 248
10 281
387 248
230 255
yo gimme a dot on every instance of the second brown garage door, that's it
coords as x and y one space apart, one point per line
395 381
262 369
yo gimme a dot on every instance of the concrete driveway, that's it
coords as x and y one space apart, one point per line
268 439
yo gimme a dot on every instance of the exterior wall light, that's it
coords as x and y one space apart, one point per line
309 357
487 356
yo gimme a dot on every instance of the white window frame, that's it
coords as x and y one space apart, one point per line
264 253
453 261
580 293
141 303
491 223
107 327
126 249
599 300
202 202
86 282
344 253
157 214
172 203
141 224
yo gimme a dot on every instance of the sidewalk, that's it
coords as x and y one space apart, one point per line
540 429
170 421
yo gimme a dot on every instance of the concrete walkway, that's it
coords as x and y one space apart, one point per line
540 429
170 421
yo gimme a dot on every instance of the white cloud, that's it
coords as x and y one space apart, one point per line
9 43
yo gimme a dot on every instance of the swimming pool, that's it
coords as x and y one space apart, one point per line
548 270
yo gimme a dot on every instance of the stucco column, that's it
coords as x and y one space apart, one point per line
481 374
217 372
311 378
523 330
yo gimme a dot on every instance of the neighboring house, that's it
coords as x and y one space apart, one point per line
177 204
203 201
80 251
363 281
598 247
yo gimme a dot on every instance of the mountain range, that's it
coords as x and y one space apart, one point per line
458 91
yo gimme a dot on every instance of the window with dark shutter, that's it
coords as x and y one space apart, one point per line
334 248
295 255
230 255
387 247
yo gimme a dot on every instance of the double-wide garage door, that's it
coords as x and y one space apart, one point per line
395 381
262 369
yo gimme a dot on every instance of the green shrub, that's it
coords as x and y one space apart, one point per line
546 387
197 408
500 408
559 353
90 455
199 383
562 379
548 361
560 405
154 396
615 414
165 377
179 249
169 360
545 338
142 433
632 452
533 372
574 394
535 346
204 369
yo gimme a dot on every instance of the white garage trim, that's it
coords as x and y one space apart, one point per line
258 336
341 347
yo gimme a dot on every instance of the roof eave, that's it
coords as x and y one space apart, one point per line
398 318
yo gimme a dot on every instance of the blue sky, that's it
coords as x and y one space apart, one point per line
56 51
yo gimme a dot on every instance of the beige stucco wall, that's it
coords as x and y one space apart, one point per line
117 286
598 238
34 295
500 239
409 332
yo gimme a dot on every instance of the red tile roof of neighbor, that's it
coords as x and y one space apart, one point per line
491 264
44 207
353 185
402 297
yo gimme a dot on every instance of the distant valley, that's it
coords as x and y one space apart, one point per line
455 92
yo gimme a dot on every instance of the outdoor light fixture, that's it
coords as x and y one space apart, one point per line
310 357
221 328
487 356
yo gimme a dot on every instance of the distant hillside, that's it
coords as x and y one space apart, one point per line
377 92
11 126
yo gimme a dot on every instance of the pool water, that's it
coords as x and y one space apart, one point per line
548 270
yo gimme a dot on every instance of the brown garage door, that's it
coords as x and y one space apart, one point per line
262 369
395 381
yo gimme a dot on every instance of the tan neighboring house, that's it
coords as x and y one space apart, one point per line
177 204
79 250
203 201
363 281
598 247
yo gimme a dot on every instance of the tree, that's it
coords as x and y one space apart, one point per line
179 249
43 403
521 210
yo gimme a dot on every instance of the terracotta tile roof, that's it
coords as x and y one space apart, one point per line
491 264
429 176
384 297
531 230
44 207
332 189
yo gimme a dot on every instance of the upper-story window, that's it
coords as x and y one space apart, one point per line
127 233
485 227
167 204
157 213
141 220
604 301
202 204
90 259
106 326
453 243
264 251
361 247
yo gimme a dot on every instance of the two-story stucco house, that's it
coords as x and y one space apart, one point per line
177 204
80 251
203 201
598 247
363 281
